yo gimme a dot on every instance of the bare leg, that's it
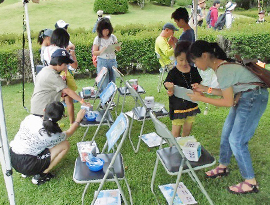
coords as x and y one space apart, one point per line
57 154
70 108
186 129
176 130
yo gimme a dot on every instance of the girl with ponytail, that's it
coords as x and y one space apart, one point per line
40 144
247 98
44 39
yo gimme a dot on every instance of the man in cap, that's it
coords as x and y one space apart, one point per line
201 12
181 18
261 15
49 84
163 47
100 14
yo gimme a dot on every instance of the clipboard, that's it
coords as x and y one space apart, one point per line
111 48
182 92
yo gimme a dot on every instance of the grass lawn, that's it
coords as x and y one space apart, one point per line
139 167
79 14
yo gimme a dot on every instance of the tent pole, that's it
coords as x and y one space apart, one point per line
4 154
29 39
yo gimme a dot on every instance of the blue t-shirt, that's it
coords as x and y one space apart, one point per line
188 35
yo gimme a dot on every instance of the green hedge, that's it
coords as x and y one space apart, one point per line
137 54
111 6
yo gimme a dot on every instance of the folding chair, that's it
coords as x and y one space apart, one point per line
174 161
122 90
140 113
99 80
102 111
113 168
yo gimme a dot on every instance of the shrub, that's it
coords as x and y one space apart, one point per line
163 2
137 54
111 6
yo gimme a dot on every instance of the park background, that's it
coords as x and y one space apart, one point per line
137 29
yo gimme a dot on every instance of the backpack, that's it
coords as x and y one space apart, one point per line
208 17
219 25
94 58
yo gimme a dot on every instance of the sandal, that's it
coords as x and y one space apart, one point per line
255 188
220 172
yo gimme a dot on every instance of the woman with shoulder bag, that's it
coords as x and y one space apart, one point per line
243 118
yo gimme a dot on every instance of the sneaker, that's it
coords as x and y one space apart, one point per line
42 178
24 176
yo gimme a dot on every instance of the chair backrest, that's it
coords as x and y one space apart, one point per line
101 75
117 73
108 93
162 130
118 128
135 94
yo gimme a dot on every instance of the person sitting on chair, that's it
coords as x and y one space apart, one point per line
40 144
165 47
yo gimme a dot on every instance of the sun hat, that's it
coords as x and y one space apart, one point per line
61 24
201 1
230 6
170 26
261 12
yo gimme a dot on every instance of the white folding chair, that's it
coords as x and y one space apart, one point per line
122 90
140 113
99 80
113 169
104 116
174 161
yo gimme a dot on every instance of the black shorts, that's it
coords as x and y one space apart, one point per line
29 164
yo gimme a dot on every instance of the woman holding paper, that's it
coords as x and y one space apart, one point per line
247 98
104 47
182 112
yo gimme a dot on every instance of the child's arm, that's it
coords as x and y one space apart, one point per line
169 86
74 96
76 124
96 52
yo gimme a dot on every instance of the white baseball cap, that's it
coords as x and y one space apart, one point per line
61 24
99 12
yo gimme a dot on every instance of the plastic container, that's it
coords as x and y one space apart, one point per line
90 116
95 164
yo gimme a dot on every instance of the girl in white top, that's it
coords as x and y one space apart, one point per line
40 144
101 42
44 39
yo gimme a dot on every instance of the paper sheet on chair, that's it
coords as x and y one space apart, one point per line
108 197
182 92
183 195
152 139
